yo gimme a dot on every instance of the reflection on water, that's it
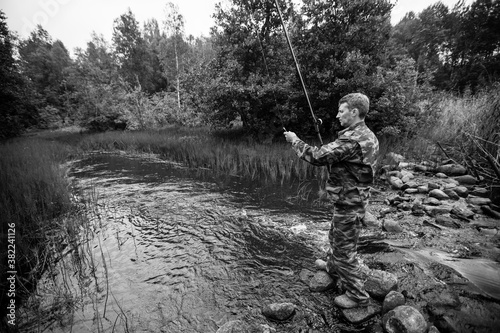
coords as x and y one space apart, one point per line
180 251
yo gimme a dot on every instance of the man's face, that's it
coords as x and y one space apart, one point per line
345 116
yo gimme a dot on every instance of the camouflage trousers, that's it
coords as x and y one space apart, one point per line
343 261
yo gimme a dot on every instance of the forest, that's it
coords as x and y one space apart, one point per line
151 75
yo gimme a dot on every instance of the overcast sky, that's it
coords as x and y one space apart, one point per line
73 21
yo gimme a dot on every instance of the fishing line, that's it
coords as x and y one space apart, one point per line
254 23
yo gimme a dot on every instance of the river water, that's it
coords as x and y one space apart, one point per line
172 250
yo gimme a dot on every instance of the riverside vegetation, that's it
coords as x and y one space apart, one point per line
36 194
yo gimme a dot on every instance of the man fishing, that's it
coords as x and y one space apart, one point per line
351 159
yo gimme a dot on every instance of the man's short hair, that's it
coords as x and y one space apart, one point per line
357 100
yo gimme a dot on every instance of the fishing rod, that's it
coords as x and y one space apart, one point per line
316 120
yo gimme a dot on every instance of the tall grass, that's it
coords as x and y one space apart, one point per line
202 149
34 196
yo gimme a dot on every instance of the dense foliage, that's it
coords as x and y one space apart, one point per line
155 75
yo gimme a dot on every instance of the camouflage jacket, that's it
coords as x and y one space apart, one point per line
351 159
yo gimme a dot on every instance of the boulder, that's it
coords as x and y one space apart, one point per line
412 184
462 213
431 201
279 311
438 210
392 226
452 194
462 191
306 275
404 319
361 314
438 194
392 300
433 186
411 190
379 283
448 186
441 175
466 180
418 210
423 189
452 169
480 192
372 221
395 182
321 281
447 221
478 201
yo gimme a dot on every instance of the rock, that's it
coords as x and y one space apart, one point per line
438 194
404 319
447 221
462 191
405 206
412 184
423 189
321 281
279 311
478 201
394 173
379 283
417 210
448 186
395 182
372 221
433 186
452 194
441 175
441 299
392 226
320 264
392 300
433 329
431 201
480 192
437 210
407 174
466 180
462 213
305 275
411 190
452 169
361 314
423 168
235 326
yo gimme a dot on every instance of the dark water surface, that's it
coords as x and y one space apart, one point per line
172 250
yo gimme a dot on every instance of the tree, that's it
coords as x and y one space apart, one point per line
174 26
16 109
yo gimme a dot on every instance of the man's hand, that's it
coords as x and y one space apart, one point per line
291 136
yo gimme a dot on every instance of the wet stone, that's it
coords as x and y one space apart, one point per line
423 189
478 201
431 201
438 194
411 190
371 220
305 275
392 226
466 180
452 194
321 281
480 192
462 213
433 186
404 319
392 300
437 210
448 186
279 311
462 191
361 314
452 169
447 221
379 283
395 182
441 175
